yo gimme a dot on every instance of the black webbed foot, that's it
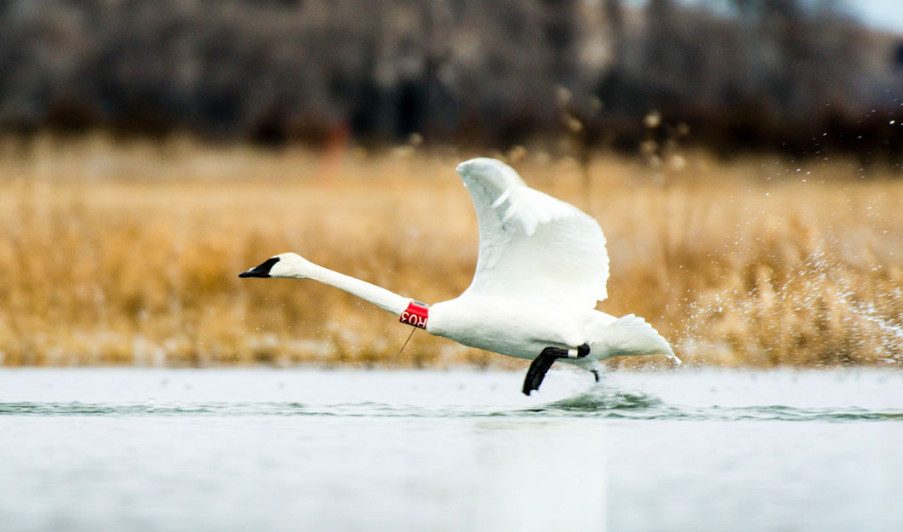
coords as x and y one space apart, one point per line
538 369
541 364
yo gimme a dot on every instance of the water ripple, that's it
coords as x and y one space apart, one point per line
633 405
602 405
150 409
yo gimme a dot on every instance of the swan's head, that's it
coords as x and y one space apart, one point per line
283 265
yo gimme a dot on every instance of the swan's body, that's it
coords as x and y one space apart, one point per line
542 267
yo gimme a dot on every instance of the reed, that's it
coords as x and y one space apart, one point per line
117 253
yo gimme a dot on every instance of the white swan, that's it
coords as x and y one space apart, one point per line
541 269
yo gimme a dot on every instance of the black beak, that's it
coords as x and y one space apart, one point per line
263 270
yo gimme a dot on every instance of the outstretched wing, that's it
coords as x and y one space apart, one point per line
532 246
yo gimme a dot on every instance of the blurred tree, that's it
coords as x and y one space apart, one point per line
768 73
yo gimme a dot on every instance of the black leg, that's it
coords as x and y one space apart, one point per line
541 364
595 374
538 369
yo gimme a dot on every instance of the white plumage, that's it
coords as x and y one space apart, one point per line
541 269
532 245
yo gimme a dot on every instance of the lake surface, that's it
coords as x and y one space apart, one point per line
306 449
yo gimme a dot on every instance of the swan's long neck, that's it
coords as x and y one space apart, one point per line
382 298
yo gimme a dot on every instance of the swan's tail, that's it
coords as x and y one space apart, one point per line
630 335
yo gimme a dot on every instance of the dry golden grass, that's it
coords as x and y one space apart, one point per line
128 254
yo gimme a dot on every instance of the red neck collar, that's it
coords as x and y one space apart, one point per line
416 314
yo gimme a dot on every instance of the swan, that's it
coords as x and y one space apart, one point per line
542 267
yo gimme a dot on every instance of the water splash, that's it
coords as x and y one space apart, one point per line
604 398
604 402
808 293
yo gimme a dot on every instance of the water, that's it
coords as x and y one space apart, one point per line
258 449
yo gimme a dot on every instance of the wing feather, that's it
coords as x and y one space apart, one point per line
532 246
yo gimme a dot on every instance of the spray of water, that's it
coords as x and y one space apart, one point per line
816 307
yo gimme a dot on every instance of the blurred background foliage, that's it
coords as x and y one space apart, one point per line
743 156
798 76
